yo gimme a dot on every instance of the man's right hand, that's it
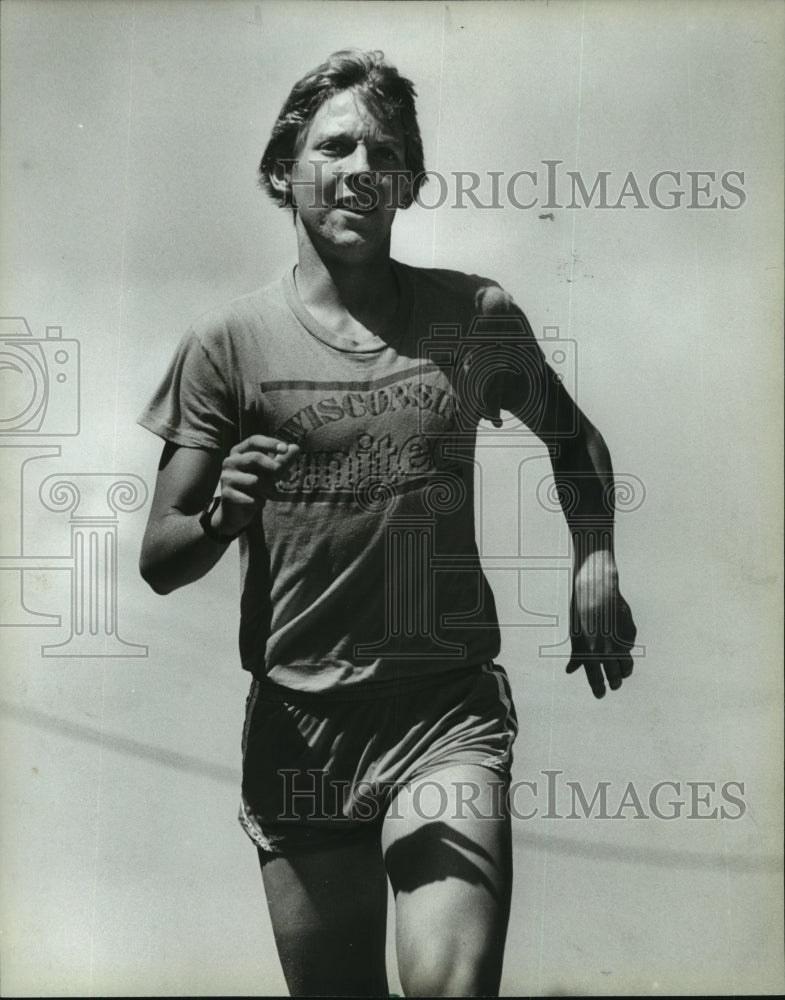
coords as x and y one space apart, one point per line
175 550
248 476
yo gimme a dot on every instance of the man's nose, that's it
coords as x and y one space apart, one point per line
359 178
359 162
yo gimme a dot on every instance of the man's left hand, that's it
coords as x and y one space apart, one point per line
602 630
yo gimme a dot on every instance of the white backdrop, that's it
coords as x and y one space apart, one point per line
131 134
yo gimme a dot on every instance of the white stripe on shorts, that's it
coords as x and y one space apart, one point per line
505 697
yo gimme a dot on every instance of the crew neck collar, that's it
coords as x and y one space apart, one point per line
347 344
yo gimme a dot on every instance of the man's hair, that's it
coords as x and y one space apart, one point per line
387 95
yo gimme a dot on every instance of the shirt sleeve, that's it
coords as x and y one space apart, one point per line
512 357
193 405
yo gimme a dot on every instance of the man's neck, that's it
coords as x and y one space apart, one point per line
365 290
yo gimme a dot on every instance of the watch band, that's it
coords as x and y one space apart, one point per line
206 522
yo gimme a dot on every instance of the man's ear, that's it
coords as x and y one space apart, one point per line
280 178
403 190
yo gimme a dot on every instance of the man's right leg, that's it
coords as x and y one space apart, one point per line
329 914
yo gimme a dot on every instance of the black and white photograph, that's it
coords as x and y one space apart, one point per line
391 444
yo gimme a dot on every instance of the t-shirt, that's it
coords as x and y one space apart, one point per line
361 567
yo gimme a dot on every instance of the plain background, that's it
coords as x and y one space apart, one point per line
131 134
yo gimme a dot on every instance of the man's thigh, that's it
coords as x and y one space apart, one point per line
447 848
328 909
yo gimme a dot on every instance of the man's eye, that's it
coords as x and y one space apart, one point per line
389 155
333 147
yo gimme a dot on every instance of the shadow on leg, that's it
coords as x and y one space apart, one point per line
447 847
329 914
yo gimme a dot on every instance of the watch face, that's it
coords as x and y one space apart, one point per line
206 521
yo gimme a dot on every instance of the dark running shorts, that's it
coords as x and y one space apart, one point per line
320 767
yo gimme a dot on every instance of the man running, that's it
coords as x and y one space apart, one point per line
328 422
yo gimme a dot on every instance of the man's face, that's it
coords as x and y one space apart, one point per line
346 181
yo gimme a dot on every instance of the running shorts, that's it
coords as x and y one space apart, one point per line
318 767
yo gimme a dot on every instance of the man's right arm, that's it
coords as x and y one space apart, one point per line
175 549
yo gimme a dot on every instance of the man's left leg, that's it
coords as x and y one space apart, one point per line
448 850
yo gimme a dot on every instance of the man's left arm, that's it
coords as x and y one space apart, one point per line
601 627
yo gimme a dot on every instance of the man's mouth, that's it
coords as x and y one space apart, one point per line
355 207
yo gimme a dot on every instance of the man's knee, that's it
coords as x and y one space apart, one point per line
465 973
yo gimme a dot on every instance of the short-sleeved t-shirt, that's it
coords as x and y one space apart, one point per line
361 567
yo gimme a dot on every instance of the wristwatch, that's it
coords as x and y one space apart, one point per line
206 522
